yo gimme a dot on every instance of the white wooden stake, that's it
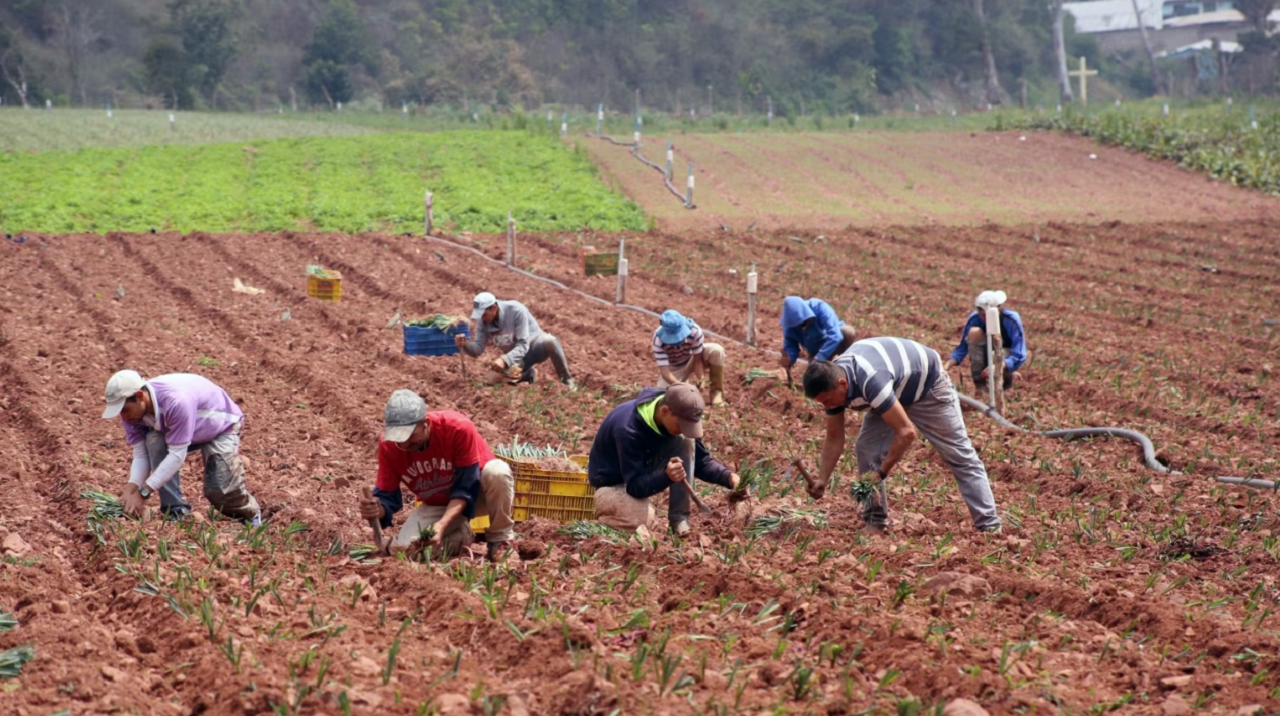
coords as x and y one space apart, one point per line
622 272
511 240
751 305
599 119
564 123
670 156
172 121
995 363
428 218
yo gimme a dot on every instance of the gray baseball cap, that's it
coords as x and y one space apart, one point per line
405 409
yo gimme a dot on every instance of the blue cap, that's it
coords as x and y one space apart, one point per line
675 327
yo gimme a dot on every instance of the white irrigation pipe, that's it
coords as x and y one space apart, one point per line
583 294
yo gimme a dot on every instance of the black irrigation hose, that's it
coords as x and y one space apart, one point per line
611 139
1148 450
635 152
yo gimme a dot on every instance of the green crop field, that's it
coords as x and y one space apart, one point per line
40 131
348 184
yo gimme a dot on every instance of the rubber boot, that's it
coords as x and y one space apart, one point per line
717 384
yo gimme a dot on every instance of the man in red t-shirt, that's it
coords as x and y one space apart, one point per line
441 458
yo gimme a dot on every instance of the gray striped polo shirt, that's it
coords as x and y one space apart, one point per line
883 371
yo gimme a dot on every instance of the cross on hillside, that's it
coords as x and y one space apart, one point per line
1084 73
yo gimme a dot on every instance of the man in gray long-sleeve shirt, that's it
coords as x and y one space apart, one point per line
514 330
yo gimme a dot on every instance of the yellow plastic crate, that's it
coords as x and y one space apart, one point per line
327 287
556 495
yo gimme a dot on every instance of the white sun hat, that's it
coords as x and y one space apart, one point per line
990 299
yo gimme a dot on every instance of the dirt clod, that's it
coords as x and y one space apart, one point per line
15 545
1175 705
963 707
957 584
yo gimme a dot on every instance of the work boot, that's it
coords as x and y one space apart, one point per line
717 385
680 528
497 551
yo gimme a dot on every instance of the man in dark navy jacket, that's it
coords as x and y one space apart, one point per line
640 451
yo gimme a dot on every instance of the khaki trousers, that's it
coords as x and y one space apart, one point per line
497 492
712 355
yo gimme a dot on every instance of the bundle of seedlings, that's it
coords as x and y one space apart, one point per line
544 458
437 321
864 491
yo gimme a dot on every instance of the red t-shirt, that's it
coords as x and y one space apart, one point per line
454 443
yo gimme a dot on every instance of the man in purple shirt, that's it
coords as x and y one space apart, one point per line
164 419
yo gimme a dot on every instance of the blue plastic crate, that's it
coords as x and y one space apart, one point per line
426 341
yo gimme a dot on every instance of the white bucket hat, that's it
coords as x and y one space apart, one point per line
990 299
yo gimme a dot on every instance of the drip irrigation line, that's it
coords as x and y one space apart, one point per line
1148 450
635 152
1250 482
583 294
607 138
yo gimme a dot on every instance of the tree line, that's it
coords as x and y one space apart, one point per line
797 56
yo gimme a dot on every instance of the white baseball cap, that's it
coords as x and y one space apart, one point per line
990 299
121 387
481 303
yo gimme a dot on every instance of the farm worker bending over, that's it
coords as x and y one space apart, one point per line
973 341
640 450
679 349
441 458
166 418
813 325
904 385
513 329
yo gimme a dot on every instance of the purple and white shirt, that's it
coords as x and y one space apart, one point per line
189 410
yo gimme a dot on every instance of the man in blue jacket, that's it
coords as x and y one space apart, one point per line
640 451
973 341
813 325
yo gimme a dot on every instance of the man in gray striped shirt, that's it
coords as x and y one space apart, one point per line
903 384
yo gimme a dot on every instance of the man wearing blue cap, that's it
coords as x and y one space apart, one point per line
514 330
814 326
681 353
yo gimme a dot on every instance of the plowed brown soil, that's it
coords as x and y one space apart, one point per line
852 179
1165 328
